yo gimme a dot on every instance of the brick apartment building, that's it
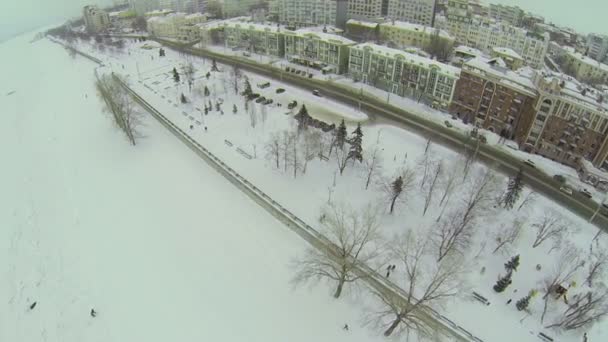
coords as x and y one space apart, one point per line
495 98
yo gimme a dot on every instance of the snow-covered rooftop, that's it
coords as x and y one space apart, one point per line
362 23
587 60
322 35
496 67
402 25
507 52
578 92
412 58
468 50
251 25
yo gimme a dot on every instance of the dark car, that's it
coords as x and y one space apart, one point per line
316 93
253 96
292 104
280 90
260 99
268 101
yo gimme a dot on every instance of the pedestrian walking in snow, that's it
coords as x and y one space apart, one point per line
33 305
509 301
191 126
93 313
346 327
393 267
205 128
585 337
388 273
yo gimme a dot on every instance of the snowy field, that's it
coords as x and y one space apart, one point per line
244 147
145 235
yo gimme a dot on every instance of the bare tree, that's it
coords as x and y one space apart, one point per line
439 47
433 283
508 236
395 188
435 172
309 139
448 182
584 310
568 263
373 164
293 157
529 199
253 117
287 139
273 148
597 266
356 242
236 77
551 226
455 233
342 158
120 104
189 72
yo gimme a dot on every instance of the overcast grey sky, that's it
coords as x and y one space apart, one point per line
20 15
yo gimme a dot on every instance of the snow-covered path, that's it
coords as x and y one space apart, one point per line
157 242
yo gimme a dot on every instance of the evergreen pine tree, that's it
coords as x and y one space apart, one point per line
183 98
175 75
513 190
341 135
512 264
356 150
234 110
247 92
303 119
214 66
502 283
523 303
206 91
396 189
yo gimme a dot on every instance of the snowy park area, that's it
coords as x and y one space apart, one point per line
429 206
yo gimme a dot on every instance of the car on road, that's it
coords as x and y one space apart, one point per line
260 99
280 90
316 93
268 101
447 124
264 85
530 163
566 190
585 192
253 96
246 54
292 104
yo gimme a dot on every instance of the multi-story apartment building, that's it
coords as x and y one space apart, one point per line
169 26
320 50
510 14
186 6
234 8
414 11
488 35
570 122
258 38
458 19
361 30
586 69
495 98
403 74
303 13
402 34
367 9
597 47
95 19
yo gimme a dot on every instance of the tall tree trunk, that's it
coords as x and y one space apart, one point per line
393 203
393 326
339 288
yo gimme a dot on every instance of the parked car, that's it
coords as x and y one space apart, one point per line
264 85
246 54
310 75
254 96
280 90
560 178
585 192
260 99
292 104
298 72
316 93
447 124
566 190
268 101
530 163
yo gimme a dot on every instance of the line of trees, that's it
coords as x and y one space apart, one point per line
120 104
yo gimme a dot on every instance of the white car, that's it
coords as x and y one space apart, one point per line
566 190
